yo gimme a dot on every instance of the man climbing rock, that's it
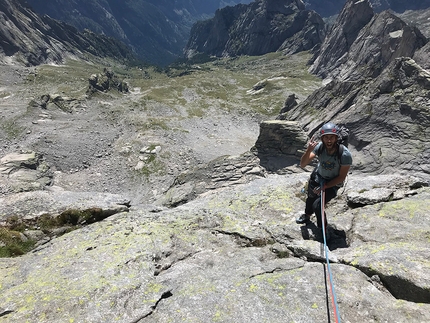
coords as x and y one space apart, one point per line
334 162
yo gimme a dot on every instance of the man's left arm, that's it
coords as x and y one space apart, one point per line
343 172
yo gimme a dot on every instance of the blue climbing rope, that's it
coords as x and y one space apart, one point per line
326 251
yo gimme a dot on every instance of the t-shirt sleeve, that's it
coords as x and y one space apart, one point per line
346 158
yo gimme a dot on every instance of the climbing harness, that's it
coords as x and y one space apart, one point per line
332 291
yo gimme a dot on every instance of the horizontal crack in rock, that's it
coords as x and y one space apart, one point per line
245 241
399 287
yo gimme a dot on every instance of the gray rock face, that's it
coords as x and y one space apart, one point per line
422 56
384 39
244 30
221 172
419 18
234 254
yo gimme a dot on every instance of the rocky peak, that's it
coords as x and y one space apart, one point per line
353 17
361 44
258 28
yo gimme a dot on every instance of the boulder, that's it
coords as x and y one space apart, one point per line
290 103
280 145
220 172
104 82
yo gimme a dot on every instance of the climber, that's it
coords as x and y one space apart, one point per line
334 163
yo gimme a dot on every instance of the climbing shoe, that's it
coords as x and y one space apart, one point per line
304 218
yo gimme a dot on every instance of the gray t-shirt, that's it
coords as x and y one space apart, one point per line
329 165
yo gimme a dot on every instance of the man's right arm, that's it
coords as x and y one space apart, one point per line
309 154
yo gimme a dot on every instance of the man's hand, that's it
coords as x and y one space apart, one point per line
312 143
309 154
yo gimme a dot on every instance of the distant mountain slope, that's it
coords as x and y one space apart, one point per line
33 40
157 30
261 27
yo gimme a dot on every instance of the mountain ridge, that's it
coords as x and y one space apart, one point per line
158 31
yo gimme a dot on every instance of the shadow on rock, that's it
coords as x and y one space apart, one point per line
335 238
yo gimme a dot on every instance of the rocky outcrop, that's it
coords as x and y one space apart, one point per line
290 102
106 81
280 145
54 101
54 201
29 220
261 27
33 40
